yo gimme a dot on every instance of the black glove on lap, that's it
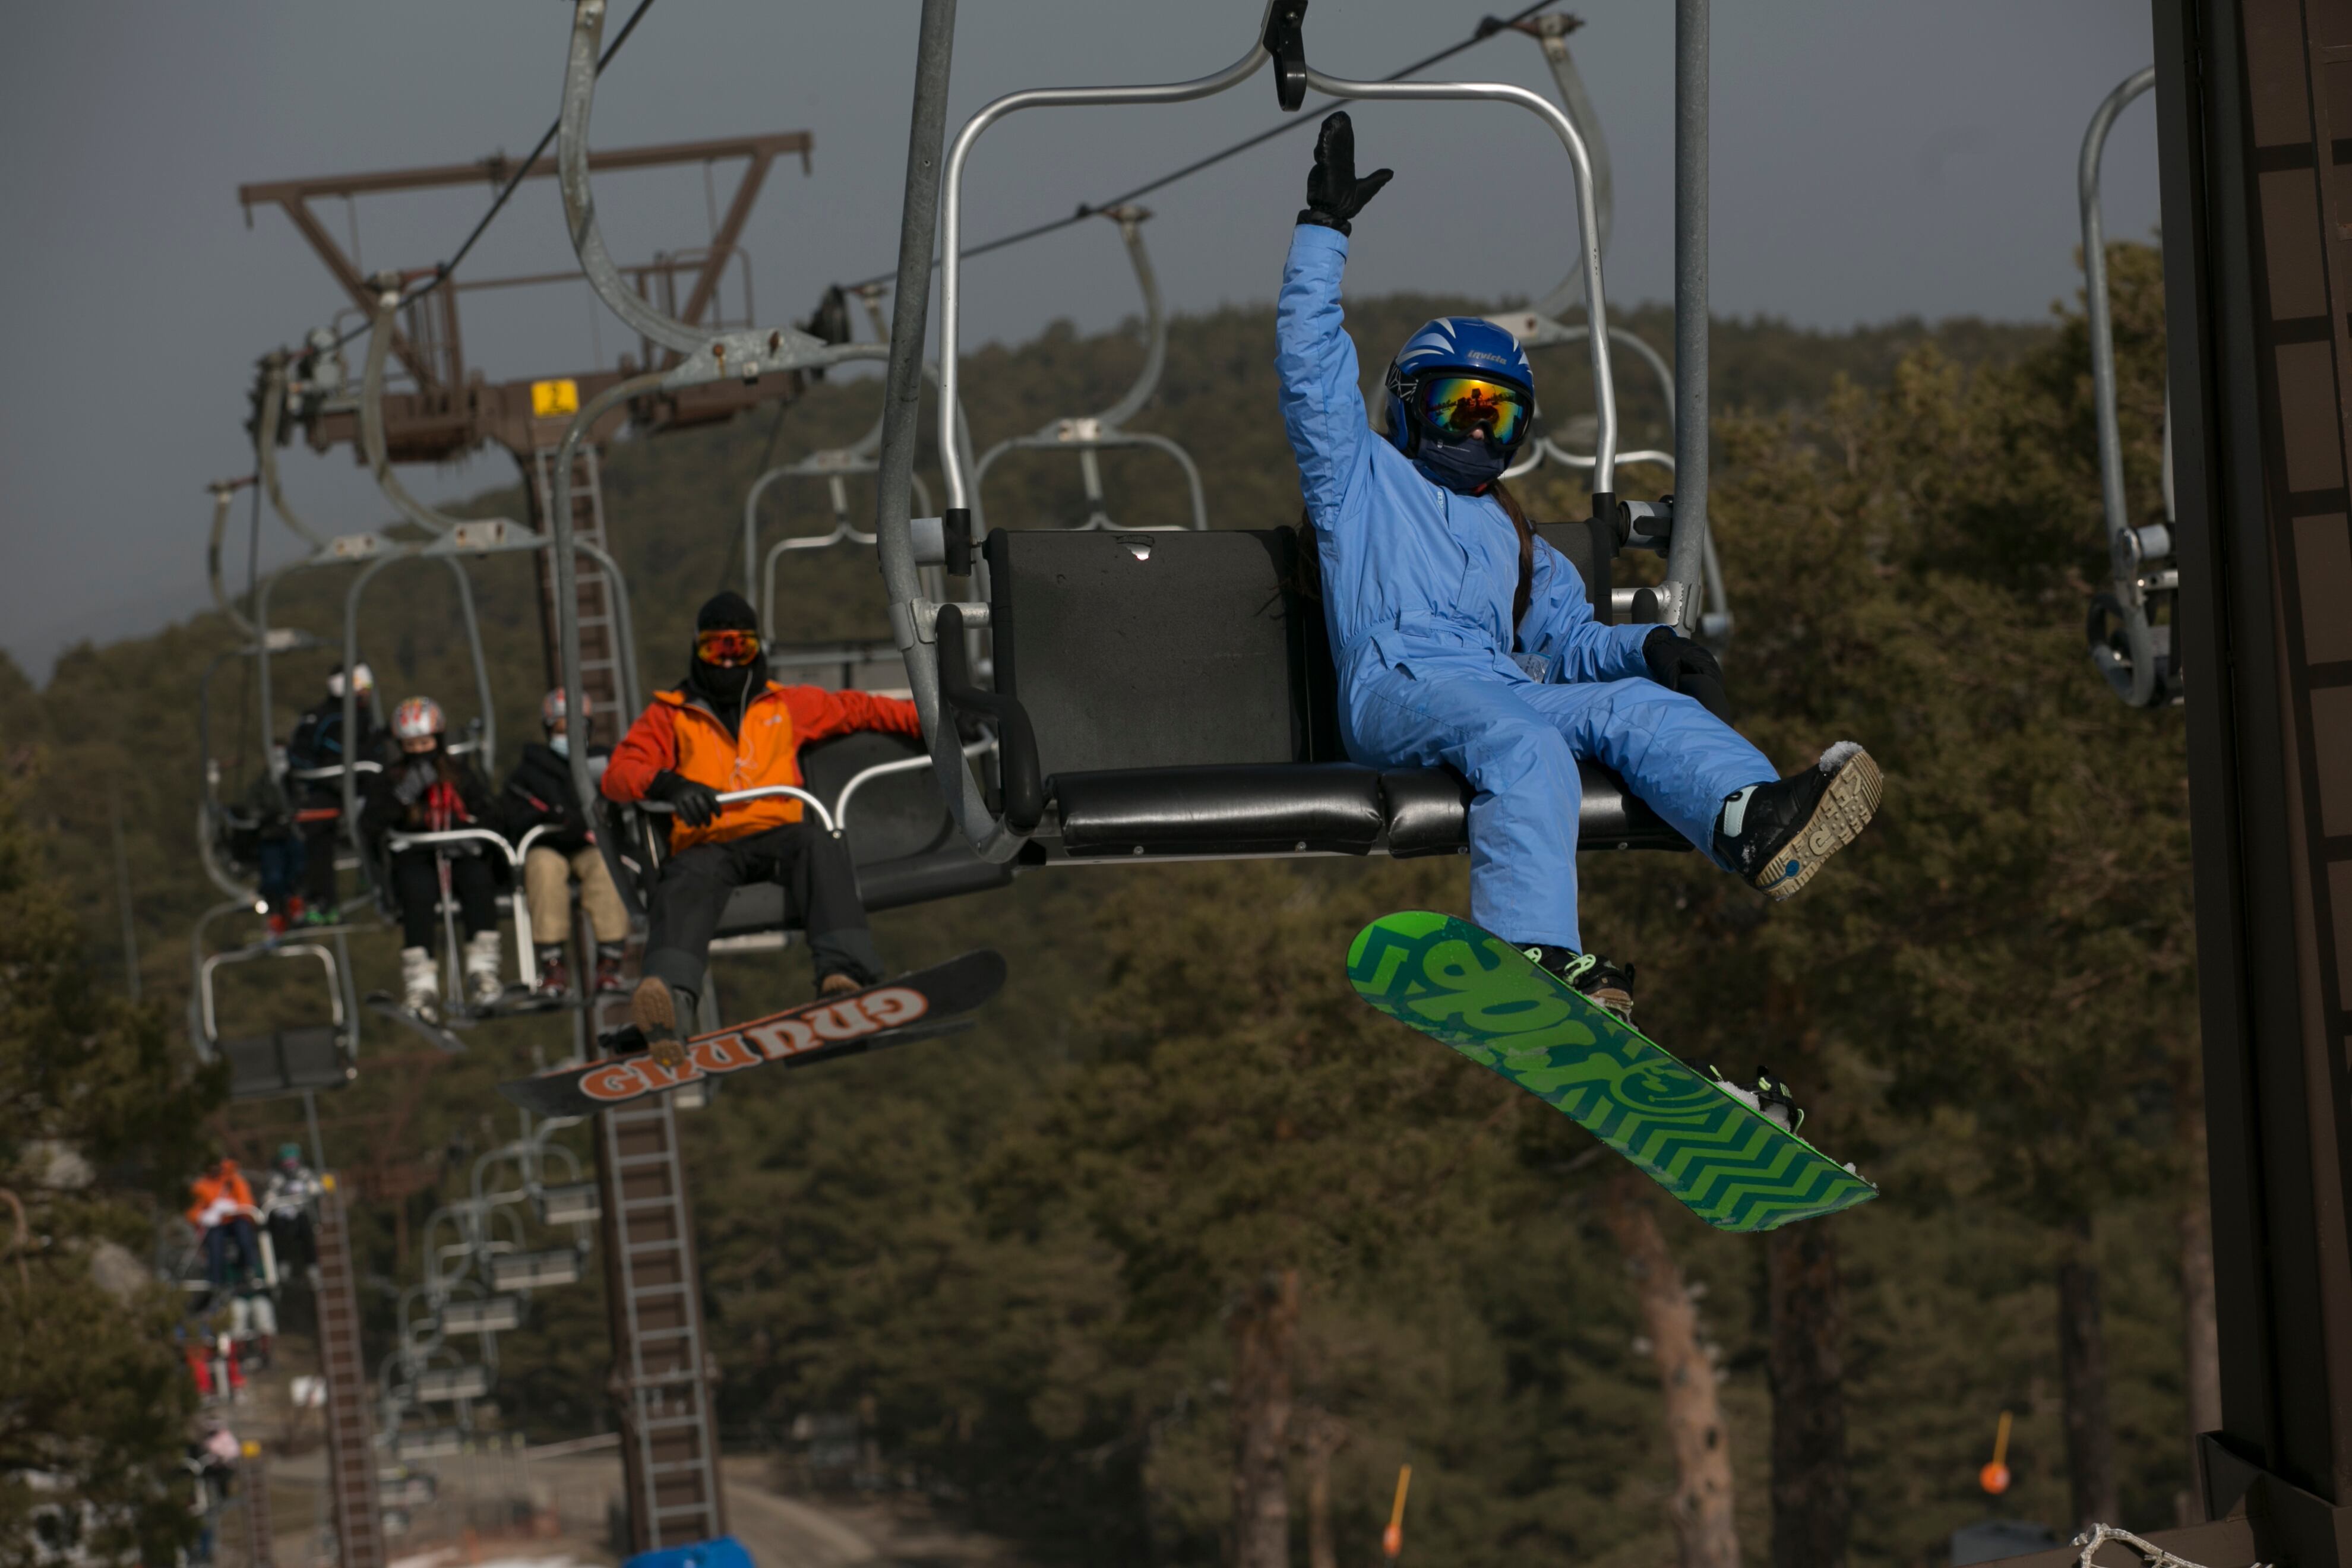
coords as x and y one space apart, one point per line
415 779
1334 194
697 804
1680 664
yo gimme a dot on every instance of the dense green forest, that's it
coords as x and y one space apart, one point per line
1183 1226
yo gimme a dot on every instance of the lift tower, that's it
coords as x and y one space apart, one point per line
663 1375
2254 126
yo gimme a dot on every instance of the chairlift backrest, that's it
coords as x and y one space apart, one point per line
1180 691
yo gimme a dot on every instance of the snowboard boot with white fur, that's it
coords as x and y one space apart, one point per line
1775 835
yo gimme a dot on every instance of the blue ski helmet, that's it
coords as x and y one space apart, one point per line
1460 345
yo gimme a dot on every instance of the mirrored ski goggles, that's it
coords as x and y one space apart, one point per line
726 649
1459 404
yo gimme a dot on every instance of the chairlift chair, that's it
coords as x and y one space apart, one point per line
1170 696
275 1062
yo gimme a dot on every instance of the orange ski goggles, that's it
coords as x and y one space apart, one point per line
726 649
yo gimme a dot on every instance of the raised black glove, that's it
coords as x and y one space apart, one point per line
415 780
697 804
1680 664
1334 194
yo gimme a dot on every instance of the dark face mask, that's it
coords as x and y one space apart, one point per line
1466 467
720 684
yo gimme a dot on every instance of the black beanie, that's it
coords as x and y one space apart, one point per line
726 612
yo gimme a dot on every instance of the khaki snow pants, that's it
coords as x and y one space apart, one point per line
547 875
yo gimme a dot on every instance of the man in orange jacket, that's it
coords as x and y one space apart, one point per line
727 727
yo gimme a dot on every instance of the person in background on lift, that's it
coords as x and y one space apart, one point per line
220 1205
278 851
424 789
286 1201
728 727
539 792
1464 639
317 743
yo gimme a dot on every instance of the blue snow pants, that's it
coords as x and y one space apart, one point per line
1517 742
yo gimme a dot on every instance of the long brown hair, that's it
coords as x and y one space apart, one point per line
1519 516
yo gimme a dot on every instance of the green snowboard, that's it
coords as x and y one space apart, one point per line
1481 996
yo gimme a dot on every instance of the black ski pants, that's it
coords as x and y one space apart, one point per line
320 842
820 886
416 884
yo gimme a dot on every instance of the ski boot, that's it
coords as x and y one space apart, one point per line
554 980
655 1009
1775 835
420 984
1768 1096
840 982
483 987
608 981
1608 985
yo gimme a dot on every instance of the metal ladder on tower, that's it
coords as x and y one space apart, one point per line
350 1443
599 672
663 1375
598 647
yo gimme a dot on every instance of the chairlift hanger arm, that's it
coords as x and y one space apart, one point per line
1130 220
266 442
2132 677
387 305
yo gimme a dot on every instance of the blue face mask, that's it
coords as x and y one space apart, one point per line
560 744
1466 467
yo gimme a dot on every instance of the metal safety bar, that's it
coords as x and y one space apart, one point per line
396 842
2132 551
764 792
865 776
266 950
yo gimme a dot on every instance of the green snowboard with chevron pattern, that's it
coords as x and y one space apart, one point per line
1484 997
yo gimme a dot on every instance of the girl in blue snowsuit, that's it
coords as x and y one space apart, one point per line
1448 654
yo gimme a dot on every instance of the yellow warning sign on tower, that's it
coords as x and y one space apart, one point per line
551 398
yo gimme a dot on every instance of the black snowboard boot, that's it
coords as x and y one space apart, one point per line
1610 986
1769 1097
1775 835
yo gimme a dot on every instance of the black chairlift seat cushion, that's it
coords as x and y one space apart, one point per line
1429 814
286 1061
1182 690
1249 808
908 850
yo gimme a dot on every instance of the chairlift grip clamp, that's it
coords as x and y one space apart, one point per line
1285 41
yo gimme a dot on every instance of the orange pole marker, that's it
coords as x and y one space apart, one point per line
1392 1538
1995 1478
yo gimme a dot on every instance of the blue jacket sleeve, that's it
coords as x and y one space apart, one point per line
1559 625
1322 406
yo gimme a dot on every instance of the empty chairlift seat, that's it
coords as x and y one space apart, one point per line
1183 695
286 1061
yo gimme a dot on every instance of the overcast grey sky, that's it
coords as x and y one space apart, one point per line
1874 158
